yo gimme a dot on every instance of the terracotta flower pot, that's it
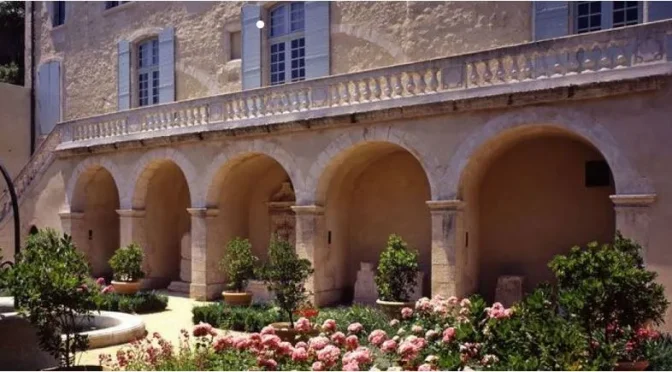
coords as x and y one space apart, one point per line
237 298
640 365
393 308
288 334
127 288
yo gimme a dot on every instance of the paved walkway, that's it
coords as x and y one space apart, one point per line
168 323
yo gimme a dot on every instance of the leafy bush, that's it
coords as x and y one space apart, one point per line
286 274
607 288
369 317
126 263
659 353
397 270
236 318
48 282
238 263
10 74
139 303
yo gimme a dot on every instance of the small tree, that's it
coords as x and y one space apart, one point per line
286 274
48 283
126 263
397 270
607 287
238 263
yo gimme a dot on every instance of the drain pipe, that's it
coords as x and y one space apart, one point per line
15 209
32 77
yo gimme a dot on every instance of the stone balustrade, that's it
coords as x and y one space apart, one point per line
578 59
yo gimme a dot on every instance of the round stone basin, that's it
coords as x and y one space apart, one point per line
19 348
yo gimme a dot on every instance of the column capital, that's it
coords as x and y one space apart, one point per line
203 212
71 215
445 205
632 200
131 212
308 209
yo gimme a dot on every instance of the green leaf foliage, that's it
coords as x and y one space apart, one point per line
126 263
238 263
397 270
286 274
237 318
48 283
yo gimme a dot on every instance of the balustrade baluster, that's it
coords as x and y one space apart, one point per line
515 69
473 75
303 99
433 79
410 83
422 85
398 87
559 66
500 73
366 91
375 88
387 91
487 73
528 70
345 93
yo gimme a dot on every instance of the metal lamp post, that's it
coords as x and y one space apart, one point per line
15 209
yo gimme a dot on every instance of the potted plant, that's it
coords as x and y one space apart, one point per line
285 275
396 276
607 289
238 264
127 271
48 282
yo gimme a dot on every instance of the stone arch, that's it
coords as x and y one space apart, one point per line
323 168
82 175
627 180
239 150
134 195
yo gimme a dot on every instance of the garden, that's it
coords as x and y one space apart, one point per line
601 312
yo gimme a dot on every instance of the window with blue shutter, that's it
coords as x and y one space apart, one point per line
287 43
148 72
48 96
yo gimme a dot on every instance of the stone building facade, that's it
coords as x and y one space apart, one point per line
490 136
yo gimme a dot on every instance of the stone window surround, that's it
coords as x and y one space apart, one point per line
119 8
230 28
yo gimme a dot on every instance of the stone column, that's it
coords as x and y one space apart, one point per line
73 225
132 230
311 244
632 216
449 256
203 260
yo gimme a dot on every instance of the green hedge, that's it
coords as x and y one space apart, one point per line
236 318
139 303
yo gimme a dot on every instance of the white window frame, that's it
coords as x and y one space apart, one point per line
606 16
150 71
286 38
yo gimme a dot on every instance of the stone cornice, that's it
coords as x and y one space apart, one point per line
71 215
203 212
308 209
136 213
633 200
445 205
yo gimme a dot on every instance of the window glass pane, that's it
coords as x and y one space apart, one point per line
278 21
297 17
625 13
155 87
298 71
277 63
588 16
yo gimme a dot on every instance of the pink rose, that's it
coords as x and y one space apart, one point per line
302 325
406 312
285 348
431 334
270 341
301 344
299 355
452 300
107 289
465 303
329 325
100 282
394 322
329 355
355 328
338 338
223 343
377 337
352 366
417 329
351 342
318 343
268 330
425 367
449 335
389 346
423 305
203 329
269 364
317 366
408 351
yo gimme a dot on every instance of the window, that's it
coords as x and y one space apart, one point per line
626 13
588 16
112 4
234 45
287 43
148 72
59 13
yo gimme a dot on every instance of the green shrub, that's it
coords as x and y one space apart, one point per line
285 274
236 318
48 282
370 317
126 263
238 263
659 353
397 270
139 303
606 287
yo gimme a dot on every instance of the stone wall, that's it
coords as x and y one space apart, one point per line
14 127
364 35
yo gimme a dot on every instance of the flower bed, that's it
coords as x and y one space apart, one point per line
140 303
236 318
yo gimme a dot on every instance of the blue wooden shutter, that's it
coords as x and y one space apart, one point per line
123 75
48 96
251 46
551 19
167 65
317 39
659 10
